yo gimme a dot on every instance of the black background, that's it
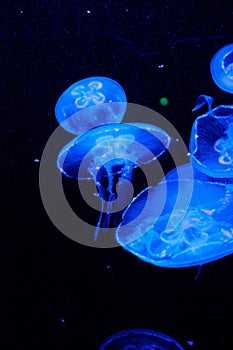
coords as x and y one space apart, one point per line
47 278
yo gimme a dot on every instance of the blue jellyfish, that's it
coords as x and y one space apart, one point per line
199 231
140 339
111 152
188 172
222 68
211 142
90 102
184 172
180 235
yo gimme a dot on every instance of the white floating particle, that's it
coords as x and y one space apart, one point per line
190 342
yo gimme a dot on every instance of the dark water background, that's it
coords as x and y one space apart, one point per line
57 293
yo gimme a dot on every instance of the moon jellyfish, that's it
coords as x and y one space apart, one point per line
188 172
181 235
140 339
184 172
110 153
90 103
211 142
222 68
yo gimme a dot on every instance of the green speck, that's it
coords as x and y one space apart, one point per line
163 101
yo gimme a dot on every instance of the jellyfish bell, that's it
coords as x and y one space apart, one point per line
211 142
221 67
110 143
140 339
183 171
188 172
118 148
90 102
181 235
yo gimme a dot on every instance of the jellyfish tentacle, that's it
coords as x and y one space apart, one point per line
98 185
202 100
199 269
124 173
111 197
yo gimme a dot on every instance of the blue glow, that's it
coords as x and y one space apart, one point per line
80 98
111 151
222 68
140 339
109 143
173 232
211 142
180 236
203 100
188 172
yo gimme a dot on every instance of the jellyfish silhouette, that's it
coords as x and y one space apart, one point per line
222 68
180 236
211 142
111 153
90 102
140 339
